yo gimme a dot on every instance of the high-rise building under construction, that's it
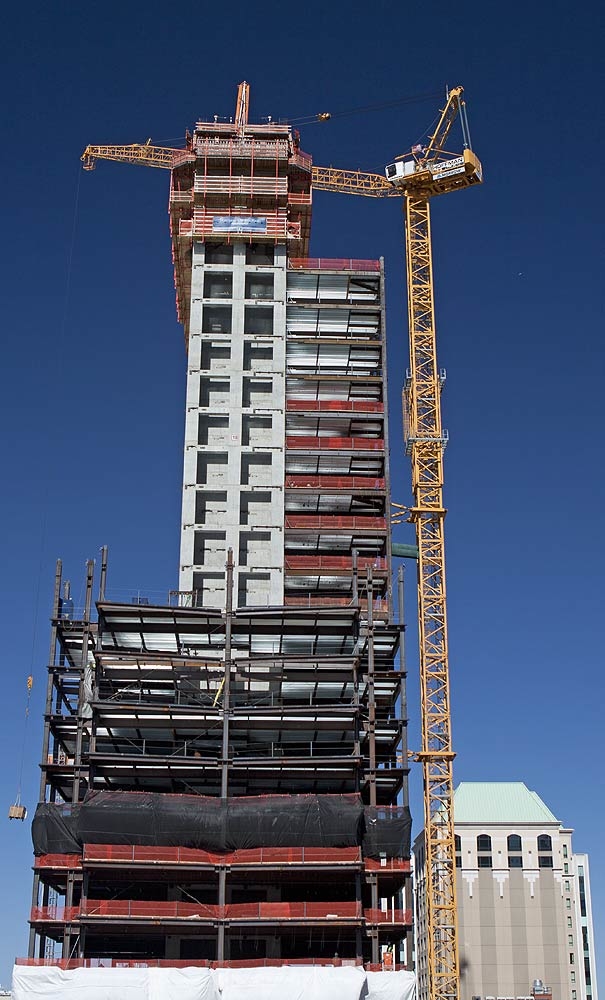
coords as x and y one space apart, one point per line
224 775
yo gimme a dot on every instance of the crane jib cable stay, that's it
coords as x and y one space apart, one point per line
425 171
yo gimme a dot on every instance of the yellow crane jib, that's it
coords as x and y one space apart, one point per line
352 182
142 153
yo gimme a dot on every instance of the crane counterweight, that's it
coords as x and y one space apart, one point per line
435 177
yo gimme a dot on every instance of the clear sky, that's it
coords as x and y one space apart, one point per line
93 360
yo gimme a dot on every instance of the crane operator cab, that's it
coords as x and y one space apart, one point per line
430 177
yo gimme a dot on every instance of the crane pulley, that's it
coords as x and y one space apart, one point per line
416 176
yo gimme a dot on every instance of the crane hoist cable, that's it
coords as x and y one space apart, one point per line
361 109
17 810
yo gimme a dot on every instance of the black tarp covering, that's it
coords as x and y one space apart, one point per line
387 831
295 821
55 829
206 823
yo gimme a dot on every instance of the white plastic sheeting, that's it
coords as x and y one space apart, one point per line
294 982
306 982
113 984
391 985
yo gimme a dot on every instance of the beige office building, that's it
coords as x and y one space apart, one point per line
523 898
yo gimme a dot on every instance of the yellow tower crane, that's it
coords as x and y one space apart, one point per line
416 176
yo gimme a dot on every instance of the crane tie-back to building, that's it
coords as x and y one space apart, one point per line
417 176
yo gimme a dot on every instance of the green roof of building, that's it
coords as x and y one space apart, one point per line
499 802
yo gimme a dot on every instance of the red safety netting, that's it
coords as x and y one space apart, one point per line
121 853
185 855
134 909
336 264
387 864
334 521
332 562
346 405
380 606
165 963
293 441
58 861
293 911
54 914
388 917
302 480
170 855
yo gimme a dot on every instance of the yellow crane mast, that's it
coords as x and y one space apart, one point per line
416 176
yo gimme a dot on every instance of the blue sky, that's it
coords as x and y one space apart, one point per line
93 370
